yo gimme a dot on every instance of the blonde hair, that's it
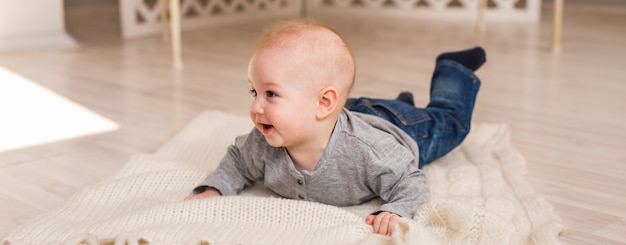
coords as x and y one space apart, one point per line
331 57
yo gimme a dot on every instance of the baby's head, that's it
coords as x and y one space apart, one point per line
301 75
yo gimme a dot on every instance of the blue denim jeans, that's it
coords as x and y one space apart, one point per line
446 120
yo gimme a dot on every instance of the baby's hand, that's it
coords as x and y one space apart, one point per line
383 222
210 192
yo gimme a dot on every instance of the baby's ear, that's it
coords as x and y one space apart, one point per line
327 102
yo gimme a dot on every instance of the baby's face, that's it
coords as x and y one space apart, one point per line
284 100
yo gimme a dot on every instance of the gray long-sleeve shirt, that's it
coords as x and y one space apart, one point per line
366 157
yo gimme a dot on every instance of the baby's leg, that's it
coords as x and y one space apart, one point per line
452 97
446 120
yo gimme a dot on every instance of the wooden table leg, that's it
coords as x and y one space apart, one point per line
175 33
480 22
557 25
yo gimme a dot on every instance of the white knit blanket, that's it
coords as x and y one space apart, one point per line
480 196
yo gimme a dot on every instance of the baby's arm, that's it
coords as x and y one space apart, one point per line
236 170
395 177
383 222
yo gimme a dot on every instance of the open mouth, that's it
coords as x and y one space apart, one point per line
266 128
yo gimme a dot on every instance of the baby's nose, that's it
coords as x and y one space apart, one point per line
256 107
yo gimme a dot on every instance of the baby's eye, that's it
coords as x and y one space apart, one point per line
252 92
270 94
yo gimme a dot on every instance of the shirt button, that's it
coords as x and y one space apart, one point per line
300 182
301 196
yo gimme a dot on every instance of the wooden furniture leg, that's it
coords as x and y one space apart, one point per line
557 25
480 23
175 34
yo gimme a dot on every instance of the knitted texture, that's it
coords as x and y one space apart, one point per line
479 196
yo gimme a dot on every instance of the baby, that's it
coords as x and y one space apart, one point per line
313 143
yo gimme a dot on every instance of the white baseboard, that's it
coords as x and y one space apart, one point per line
37 42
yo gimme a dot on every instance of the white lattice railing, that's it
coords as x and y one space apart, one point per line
142 17
509 10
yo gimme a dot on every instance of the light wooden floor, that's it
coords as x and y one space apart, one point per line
567 112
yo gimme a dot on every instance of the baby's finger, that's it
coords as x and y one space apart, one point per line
392 224
383 223
378 222
370 219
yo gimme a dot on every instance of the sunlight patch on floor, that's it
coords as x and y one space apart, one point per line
31 114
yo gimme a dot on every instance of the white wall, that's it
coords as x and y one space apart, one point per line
33 24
